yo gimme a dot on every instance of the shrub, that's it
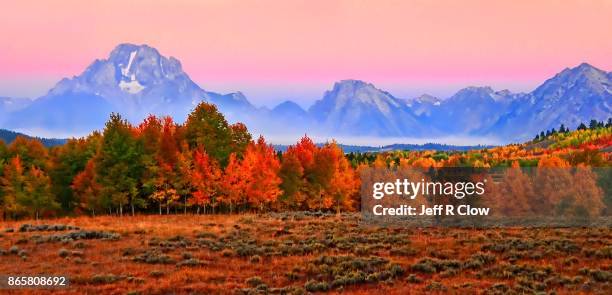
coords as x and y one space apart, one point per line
254 281
105 279
157 273
314 286
63 253
412 278
189 262
14 250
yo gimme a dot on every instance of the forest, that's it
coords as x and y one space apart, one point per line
208 166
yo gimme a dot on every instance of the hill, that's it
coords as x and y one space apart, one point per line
8 136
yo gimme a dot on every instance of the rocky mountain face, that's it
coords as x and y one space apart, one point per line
572 96
355 107
136 80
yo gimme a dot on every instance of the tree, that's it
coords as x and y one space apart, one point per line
86 189
30 151
12 183
233 186
240 137
588 197
305 151
38 196
320 178
344 183
66 162
552 184
119 164
204 178
181 180
206 128
165 192
261 167
582 127
291 174
514 195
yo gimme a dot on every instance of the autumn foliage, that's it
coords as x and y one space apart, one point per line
208 165
203 166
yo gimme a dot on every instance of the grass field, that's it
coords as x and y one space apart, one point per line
297 253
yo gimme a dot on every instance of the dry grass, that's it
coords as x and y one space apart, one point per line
296 253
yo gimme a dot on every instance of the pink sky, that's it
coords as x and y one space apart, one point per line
276 50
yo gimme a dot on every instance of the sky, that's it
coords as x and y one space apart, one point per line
278 50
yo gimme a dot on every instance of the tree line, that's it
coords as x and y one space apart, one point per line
593 125
205 165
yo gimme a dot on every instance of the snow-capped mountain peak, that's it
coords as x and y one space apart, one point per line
134 80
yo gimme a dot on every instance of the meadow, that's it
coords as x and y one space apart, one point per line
300 253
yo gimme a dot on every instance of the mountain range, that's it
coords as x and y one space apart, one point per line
136 80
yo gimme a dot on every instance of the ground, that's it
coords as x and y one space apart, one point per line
296 253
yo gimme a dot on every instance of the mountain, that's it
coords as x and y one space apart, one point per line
289 110
424 105
470 109
355 107
399 147
8 136
135 80
572 96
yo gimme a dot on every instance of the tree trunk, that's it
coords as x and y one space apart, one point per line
121 210
132 208
36 214
160 213
168 209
